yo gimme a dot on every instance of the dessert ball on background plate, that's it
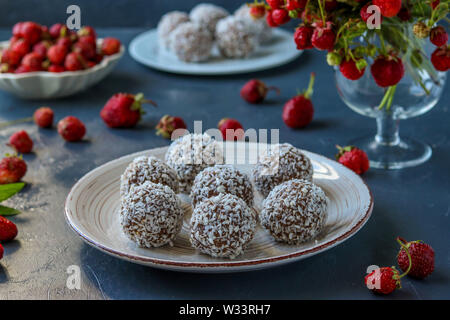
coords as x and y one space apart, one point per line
222 226
259 27
295 211
151 215
207 15
235 38
151 169
191 43
190 154
221 179
282 163
167 24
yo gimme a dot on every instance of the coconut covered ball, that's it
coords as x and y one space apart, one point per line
235 38
207 15
191 43
222 226
151 215
259 27
294 211
282 163
221 179
190 154
168 23
151 169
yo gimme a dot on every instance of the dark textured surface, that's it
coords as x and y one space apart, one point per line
413 203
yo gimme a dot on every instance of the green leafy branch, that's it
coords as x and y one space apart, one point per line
6 192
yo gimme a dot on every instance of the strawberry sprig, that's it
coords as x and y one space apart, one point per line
6 192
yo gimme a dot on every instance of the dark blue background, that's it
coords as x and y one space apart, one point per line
413 203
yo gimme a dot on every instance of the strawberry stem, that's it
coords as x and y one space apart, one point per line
309 92
321 12
405 247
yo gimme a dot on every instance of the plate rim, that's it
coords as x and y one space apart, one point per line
133 53
214 266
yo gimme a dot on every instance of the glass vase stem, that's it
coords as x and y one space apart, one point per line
387 129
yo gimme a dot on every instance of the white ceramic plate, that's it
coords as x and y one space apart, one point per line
281 50
45 85
92 211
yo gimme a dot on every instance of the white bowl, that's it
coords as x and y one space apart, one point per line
45 85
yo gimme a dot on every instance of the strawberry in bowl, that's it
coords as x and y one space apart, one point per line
41 63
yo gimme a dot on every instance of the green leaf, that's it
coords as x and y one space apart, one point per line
7 211
10 189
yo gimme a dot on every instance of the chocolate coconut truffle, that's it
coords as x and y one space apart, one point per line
191 43
207 15
151 169
190 154
168 23
284 162
221 179
222 226
258 27
235 38
151 215
295 211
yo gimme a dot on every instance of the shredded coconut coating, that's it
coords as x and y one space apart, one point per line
168 23
151 169
190 154
235 38
151 215
222 226
207 15
191 43
221 179
259 27
282 163
295 211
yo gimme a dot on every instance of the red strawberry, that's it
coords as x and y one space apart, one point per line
302 37
388 8
1 251
231 129
57 54
168 124
366 15
31 31
43 117
123 110
441 58
387 70
269 20
89 40
41 48
32 61
56 68
10 57
275 4
383 280
87 31
435 3
17 29
299 111
110 46
404 14
86 50
438 36
21 47
295 4
280 16
74 62
22 69
422 258
353 158
71 129
257 11
323 38
349 69
255 91
330 5
8 230
66 42
21 142
12 169
58 30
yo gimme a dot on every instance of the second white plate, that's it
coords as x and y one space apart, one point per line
281 50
